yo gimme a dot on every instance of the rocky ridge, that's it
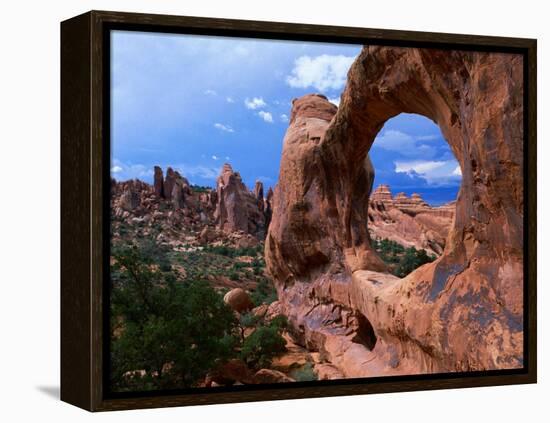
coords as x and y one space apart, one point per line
180 214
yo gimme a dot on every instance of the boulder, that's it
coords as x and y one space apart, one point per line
239 300
234 370
271 376
207 235
326 371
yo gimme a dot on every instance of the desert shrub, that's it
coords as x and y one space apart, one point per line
265 293
227 251
412 259
305 373
260 347
200 188
279 322
400 260
164 321
249 320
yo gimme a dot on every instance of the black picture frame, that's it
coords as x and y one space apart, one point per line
85 191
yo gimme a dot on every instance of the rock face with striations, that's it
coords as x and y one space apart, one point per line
463 311
409 221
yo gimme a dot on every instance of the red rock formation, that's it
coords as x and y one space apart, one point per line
237 208
465 310
128 194
130 199
409 221
382 194
259 194
263 376
268 209
180 191
158 182
234 370
169 183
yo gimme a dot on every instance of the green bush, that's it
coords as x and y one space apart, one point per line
412 259
260 347
157 319
400 260
305 373
265 293
200 188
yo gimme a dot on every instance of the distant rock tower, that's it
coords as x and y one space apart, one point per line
159 182
382 194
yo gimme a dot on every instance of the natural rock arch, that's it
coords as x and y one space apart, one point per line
465 310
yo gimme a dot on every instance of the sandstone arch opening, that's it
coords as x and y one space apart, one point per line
415 186
461 312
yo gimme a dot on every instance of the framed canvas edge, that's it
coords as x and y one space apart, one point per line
88 392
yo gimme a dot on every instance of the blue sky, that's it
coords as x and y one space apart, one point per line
196 102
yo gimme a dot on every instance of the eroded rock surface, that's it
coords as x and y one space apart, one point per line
462 312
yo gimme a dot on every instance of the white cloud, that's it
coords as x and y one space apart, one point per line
255 103
241 50
335 101
224 128
127 171
435 172
268 117
194 171
325 72
214 157
284 118
457 171
427 137
394 140
229 100
418 166
210 92
405 144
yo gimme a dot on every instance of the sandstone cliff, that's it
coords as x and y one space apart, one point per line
462 312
